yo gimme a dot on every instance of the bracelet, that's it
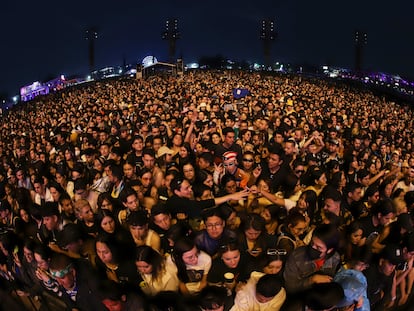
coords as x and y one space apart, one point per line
394 298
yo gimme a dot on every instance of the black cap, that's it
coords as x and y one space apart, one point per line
333 142
393 253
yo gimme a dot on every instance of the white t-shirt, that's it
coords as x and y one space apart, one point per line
167 282
197 272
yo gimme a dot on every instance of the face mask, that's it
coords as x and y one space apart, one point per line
313 253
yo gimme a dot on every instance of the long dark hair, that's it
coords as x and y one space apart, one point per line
180 247
112 244
102 213
152 257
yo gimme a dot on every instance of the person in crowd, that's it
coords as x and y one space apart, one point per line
86 218
253 238
230 261
192 265
51 223
181 205
113 264
215 234
213 298
138 224
78 285
83 135
109 226
157 274
381 278
315 263
290 232
117 298
265 292
130 202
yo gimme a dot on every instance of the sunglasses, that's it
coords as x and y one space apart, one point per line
299 171
248 160
273 251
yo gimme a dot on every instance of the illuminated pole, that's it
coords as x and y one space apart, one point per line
172 34
267 35
91 36
360 39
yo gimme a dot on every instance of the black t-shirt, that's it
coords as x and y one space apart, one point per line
219 268
370 231
377 283
191 208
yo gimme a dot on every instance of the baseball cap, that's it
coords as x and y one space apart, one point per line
230 155
393 253
164 150
352 286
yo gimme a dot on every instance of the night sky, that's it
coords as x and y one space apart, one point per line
43 39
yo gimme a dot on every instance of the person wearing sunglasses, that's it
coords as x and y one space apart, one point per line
230 166
248 162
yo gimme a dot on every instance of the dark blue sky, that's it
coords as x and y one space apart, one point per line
42 39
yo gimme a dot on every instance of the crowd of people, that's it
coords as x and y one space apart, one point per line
178 193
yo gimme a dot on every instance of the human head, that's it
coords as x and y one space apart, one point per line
214 222
230 254
129 199
273 261
296 223
149 261
332 202
113 295
181 187
325 241
268 287
108 249
138 224
63 270
229 136
160 216
50 215
185 253
106 220
212 298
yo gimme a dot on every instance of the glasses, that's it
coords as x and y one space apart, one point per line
248 160
229 164
274 251
215 226
299 171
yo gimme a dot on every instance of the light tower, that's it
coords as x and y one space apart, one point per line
267 35
360 40
172 34
91 36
